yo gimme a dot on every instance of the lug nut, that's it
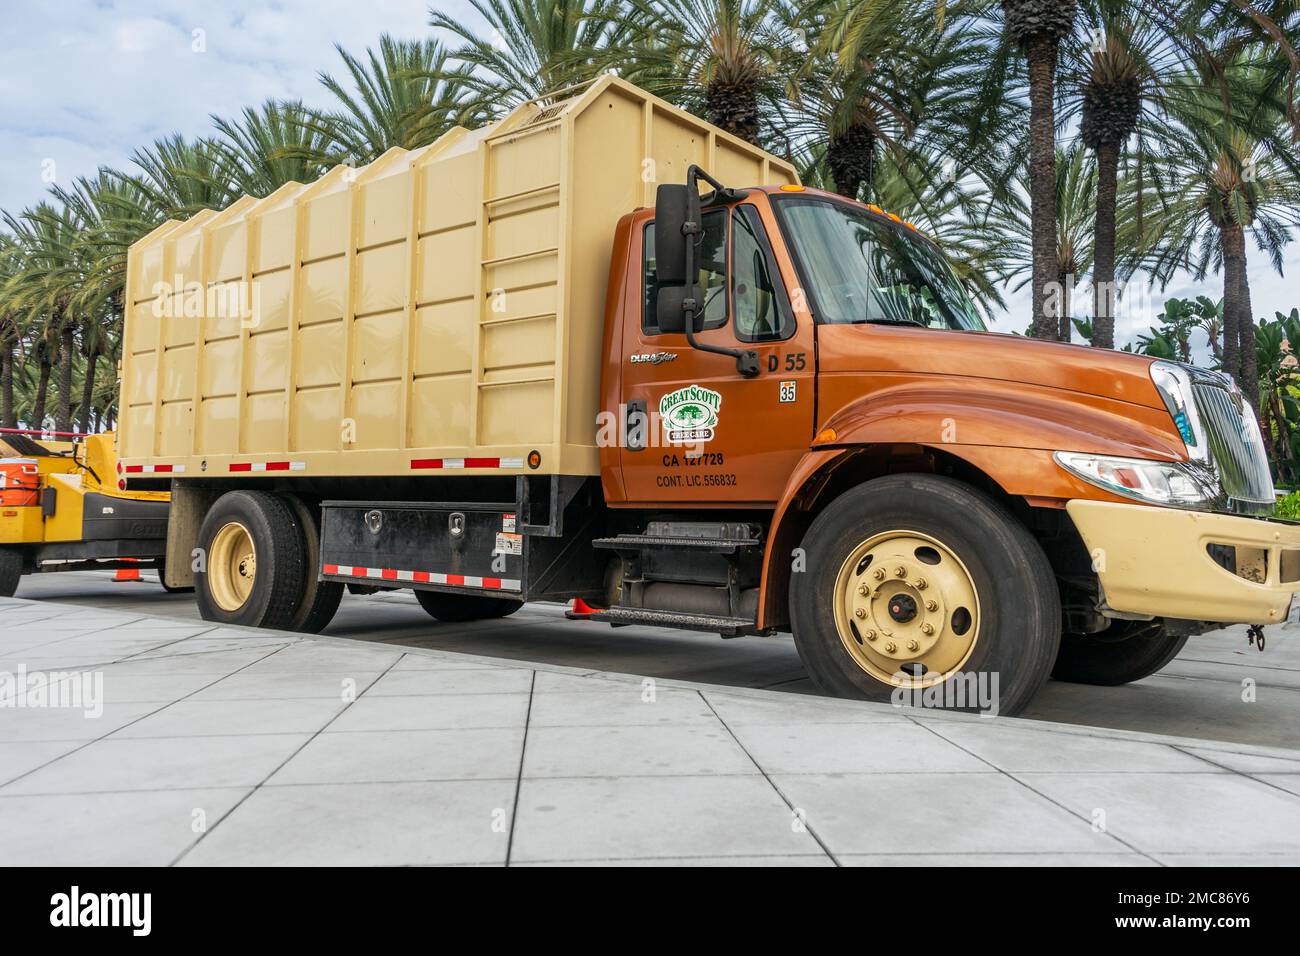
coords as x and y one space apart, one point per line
891 647
860 613
927 628
870 635
900 571
932 605
912 645
922 584
878 574
863 590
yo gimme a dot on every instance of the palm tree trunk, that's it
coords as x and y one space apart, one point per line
88 391
1041 54
8 417
1064 333
42 390
733 106
63 410
1103 248
1239 358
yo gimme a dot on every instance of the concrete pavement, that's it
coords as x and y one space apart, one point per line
235 746
1198 695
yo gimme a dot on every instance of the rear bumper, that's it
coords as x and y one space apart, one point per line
1156 561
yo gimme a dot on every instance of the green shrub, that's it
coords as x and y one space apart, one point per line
1289 507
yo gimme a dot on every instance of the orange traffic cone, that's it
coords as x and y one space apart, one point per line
128 574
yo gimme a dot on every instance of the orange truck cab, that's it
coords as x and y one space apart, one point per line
554 358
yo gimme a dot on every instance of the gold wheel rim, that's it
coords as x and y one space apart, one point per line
906 609
232 566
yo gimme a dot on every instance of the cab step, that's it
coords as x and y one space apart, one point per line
701 537
711 623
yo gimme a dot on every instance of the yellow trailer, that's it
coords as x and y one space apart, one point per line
65 507
438 310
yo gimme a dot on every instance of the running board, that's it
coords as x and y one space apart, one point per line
710 623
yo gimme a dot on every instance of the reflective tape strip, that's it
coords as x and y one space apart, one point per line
423 577
153 469
448 463
268 466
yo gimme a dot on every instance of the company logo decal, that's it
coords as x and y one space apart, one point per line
690 414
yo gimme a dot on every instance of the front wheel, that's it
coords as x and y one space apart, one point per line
1124 652
454 608
11 569
921 584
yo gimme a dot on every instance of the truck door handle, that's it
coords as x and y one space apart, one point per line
636 425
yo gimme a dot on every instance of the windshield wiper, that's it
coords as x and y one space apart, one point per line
885 321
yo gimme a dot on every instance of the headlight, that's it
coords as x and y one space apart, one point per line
1170 483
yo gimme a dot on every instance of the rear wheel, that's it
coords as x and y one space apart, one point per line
320 599
254 568
914 582
1124 652
11 569
453 608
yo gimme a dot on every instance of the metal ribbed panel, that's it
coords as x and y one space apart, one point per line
1235 446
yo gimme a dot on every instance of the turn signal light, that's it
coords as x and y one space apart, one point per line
825 436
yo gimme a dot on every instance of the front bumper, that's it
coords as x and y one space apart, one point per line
1157 561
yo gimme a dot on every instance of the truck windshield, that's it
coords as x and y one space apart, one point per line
862 270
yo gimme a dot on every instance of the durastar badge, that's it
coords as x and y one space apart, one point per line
652 358
690 414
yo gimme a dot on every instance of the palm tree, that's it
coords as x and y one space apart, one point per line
535 48
10 263
113 213
405 94
1076 212
277 143
179 177
1212 189
720 59
43 291
1037 28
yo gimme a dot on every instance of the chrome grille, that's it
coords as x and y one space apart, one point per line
1236 446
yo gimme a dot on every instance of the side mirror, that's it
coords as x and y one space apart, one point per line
669 316
672 210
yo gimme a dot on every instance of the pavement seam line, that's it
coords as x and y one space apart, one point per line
129 723
280 766
519 778
770 782
1034 790
1241 773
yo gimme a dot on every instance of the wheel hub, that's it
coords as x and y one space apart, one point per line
907 610
232 566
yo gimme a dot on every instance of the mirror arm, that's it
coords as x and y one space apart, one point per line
746 359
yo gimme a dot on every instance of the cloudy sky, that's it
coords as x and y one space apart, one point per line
83 83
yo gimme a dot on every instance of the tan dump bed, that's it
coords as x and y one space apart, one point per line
438 308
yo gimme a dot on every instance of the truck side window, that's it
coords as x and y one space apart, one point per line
711 259
762 314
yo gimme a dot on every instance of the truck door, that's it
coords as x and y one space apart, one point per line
697 431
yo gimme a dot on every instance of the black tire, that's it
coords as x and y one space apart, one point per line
1019 604
455 608
320 599
278 583
11 569
1124 652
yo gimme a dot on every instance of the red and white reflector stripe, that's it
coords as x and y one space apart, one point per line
153 469
423 577
268 466
467 463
